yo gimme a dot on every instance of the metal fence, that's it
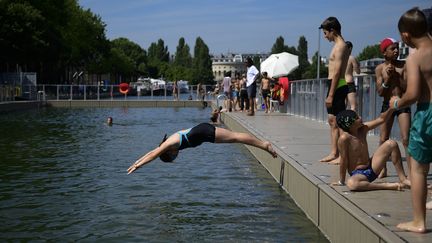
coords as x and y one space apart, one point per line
307 100
104 92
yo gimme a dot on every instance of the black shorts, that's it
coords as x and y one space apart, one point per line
385 106
265 93
339 97
351 88
251 90
203 132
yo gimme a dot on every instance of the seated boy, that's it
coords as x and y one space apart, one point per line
355 158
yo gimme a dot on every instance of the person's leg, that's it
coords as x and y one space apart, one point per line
418 177
385 130
241 101
360 183
247 101
352 100
404 120
266 106
334 135
226 136
389 148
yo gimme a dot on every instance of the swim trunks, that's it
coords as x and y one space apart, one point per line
351 88
420 138
339 97
251 90
386 106
265 93
368 172
195 136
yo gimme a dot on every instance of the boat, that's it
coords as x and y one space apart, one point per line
144 86
183 86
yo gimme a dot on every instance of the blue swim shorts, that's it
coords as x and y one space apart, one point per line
420 138
368 172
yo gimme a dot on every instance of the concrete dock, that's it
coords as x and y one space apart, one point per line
342 215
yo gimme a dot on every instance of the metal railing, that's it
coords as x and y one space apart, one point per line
98 92
307 100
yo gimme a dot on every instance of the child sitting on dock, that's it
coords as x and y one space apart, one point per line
355 159
204 132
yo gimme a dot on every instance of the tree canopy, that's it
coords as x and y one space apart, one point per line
57 38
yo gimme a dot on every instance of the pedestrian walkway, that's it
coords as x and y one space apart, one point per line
342 215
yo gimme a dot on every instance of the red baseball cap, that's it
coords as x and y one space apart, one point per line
386 43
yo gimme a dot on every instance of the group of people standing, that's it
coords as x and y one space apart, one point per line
401 84
241 92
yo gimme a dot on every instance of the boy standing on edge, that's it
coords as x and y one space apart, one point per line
338 90
390 82
413 29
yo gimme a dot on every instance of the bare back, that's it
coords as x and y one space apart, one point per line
352 66
422 60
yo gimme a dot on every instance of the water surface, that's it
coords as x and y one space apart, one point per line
64 177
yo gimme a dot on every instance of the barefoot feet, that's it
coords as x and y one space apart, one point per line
270 149
329 158
413 227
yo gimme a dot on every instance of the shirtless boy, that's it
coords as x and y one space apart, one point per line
355 158
390 81
352 66
265 90
413 30
338 90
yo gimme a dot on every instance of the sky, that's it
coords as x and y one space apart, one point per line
249 26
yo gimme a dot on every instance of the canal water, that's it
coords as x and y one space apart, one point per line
63 177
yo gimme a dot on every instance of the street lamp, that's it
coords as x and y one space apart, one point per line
318 56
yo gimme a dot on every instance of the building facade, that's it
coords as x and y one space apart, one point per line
234 63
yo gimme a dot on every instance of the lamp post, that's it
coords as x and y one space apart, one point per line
318 56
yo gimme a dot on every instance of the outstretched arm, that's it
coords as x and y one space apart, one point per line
152 155
380 120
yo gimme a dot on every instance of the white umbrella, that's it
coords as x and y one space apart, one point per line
278 65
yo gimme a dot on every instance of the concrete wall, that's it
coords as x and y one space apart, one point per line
19 105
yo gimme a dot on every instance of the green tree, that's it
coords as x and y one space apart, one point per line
50 37
311 72
201 64
85 42
302 52
370 52
182 56
158 52
279 46
158 58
